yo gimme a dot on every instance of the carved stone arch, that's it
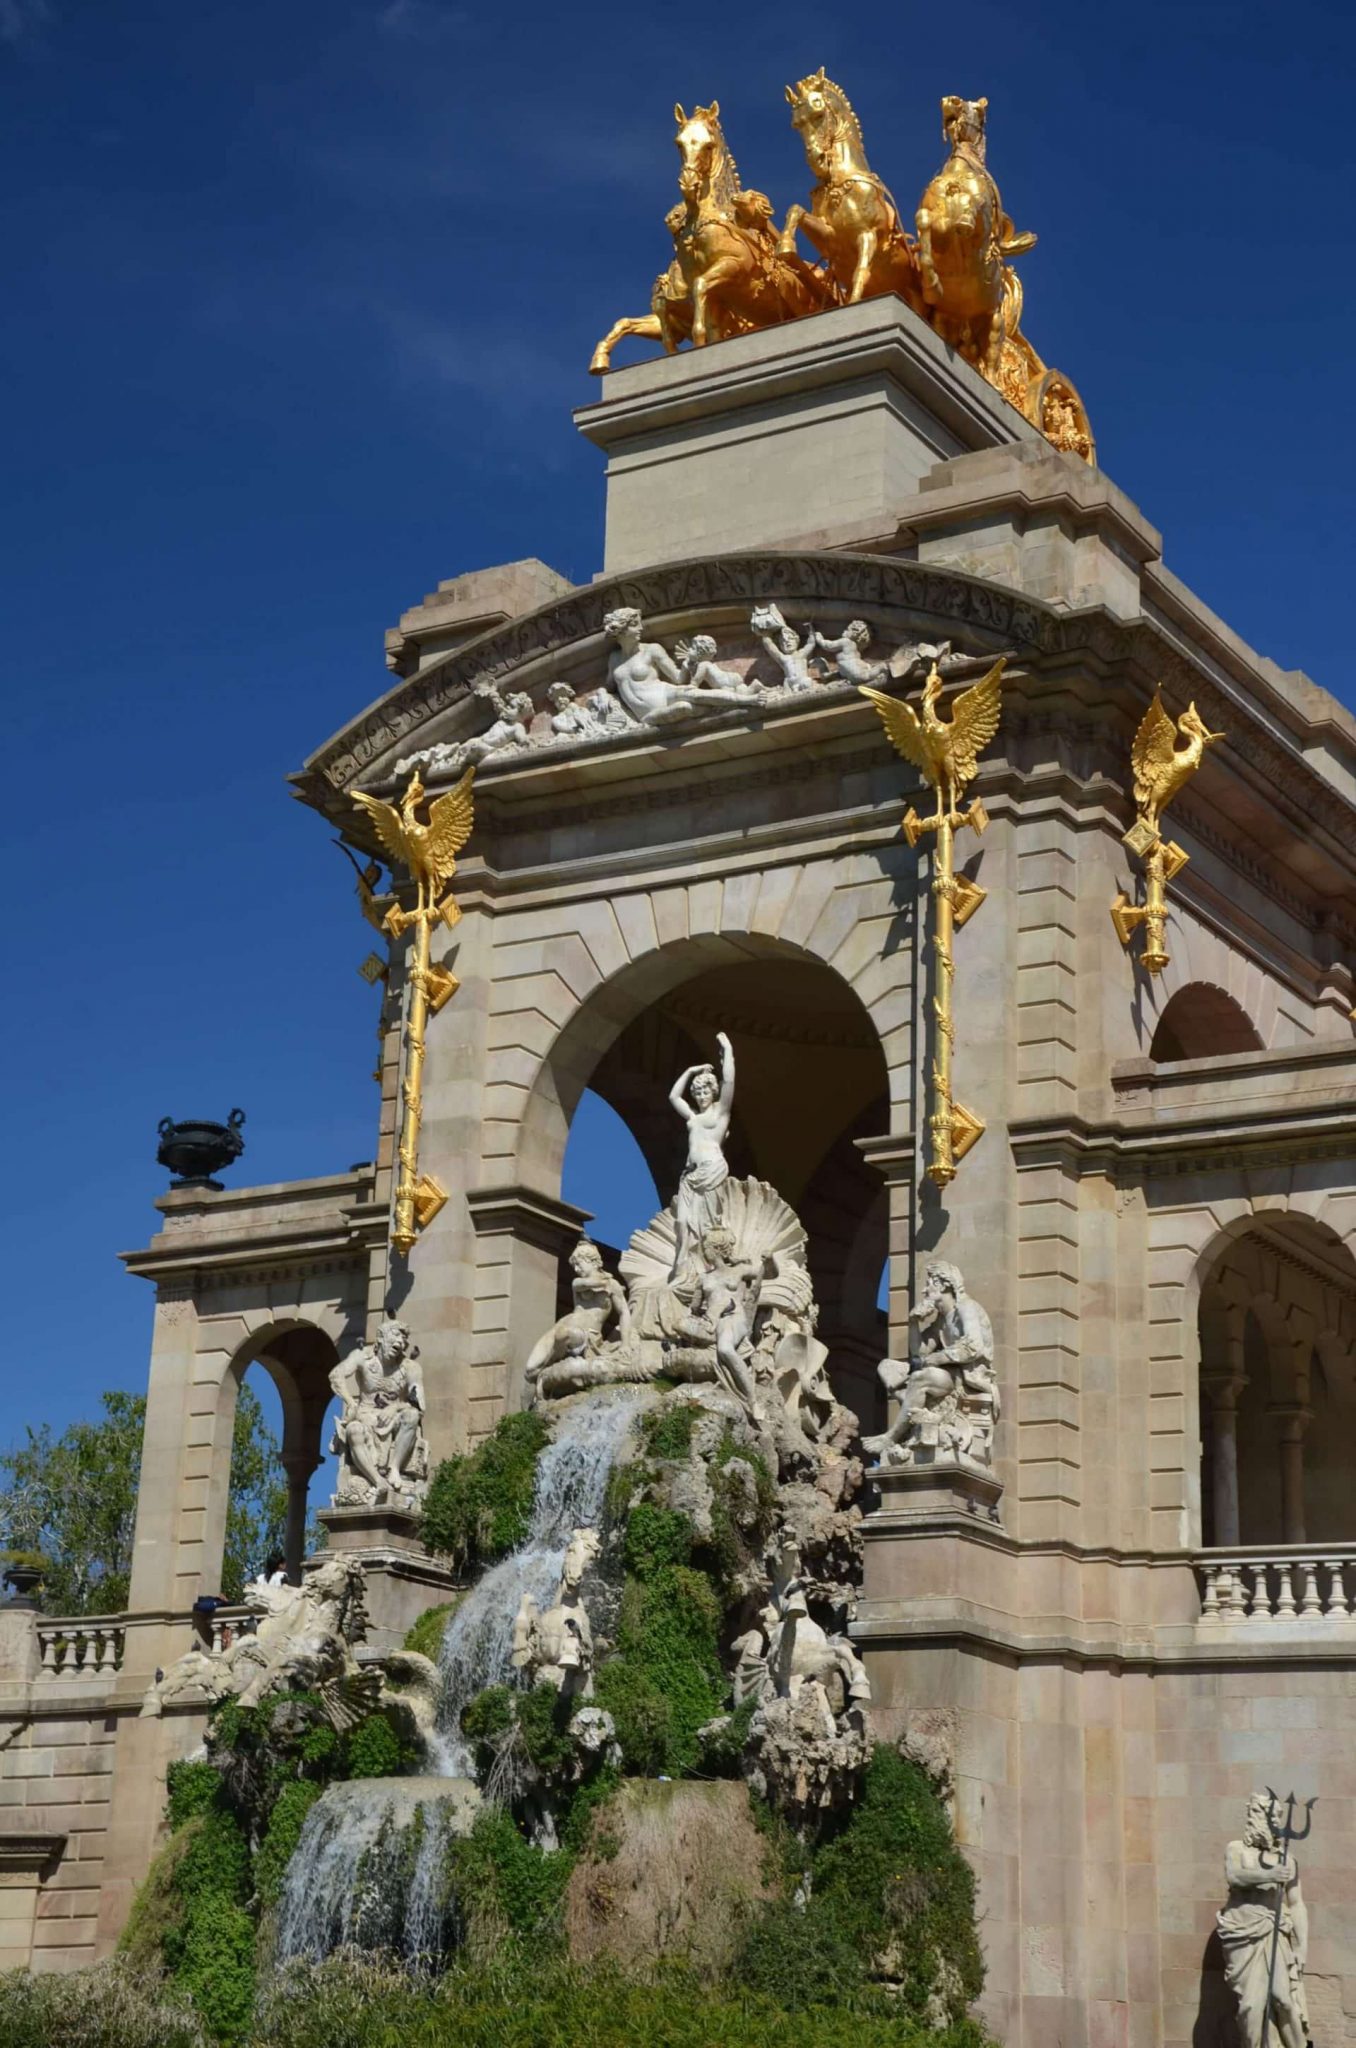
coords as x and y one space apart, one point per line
298 1355
1202 959
1202 1021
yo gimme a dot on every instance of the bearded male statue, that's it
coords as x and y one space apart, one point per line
948 1391
379 1436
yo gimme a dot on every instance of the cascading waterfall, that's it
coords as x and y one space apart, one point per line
572 1475
359 1877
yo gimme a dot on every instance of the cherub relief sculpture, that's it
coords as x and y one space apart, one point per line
592 717
850 657
303 1641
379 1435
578 1351
508 734
1264 1930
701 669
948 1391
794 658
554 1645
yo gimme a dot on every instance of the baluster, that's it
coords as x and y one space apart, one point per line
1235 1593
1337 1606
1259 1592
1310 1604
218 1631
111 1658
1210 1600
1285 1605
49 1652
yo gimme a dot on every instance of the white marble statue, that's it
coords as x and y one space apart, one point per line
649 682
915 662
554 1645
508 734
849 652
1264 1931
728 1287
303 1641
705 1105
793 657
788 1650
703 672
948 1391
593 717
379 1434
595 1342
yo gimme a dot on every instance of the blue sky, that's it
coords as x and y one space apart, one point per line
297 299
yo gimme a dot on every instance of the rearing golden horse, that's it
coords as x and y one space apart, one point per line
728 274
964 242
851 219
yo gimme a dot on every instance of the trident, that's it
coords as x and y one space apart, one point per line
1290 1833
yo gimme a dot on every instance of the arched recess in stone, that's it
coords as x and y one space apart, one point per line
1201 959
1202 1021
1277 1323
298 1357
812 1077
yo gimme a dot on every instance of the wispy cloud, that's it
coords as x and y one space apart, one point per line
500 368
22 21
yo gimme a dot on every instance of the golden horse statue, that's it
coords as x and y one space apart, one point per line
852 219
728 275
965 241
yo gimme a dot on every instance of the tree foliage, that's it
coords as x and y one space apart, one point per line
73 1497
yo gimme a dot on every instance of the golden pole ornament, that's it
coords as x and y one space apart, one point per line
946 751
1161 767
429 851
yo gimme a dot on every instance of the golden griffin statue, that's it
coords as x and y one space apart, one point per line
429 851
946 753
728 274
731 273
1161 767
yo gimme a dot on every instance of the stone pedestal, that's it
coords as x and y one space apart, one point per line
937 1487
402 1579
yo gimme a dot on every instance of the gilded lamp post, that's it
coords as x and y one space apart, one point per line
947 752
1161 767
429 851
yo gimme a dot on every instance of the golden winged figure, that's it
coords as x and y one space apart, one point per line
946 751
1161 766
428 851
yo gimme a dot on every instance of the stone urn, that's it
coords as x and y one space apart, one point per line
193 1152
23 1581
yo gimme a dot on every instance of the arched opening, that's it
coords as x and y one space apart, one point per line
1278 1386
811 1082
270 1440
606 1173
1201 1021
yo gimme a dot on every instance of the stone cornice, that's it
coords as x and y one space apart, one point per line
1194 1141
33 1854
523 1213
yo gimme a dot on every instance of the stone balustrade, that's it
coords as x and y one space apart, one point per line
81 1646
230 1623
1279 1583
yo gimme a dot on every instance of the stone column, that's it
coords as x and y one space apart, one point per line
1292 1419
1223 1388
298 1465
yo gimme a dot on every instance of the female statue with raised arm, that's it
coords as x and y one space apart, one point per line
697 1204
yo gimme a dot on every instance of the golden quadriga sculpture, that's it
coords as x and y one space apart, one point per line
731 274
1161 767
429 851
946 752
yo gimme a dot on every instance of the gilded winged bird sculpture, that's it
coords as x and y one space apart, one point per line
946 752
1161 766
429 850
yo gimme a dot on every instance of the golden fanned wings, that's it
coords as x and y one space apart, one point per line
428 851
946 751
1160 765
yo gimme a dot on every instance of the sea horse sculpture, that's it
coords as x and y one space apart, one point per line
728 274
851 219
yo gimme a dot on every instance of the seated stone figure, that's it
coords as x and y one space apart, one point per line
379 1436
578 1351
948 1391
554 1645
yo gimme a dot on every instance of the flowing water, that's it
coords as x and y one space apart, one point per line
572 1474
369 1868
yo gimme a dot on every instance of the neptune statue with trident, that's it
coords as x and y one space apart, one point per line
1264 1927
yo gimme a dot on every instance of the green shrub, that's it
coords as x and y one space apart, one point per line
504 1885
478 1507
667 1432
666 1679
190 1789
210 1949
374 1750
426 1636
655 1539
113 2006
290 1809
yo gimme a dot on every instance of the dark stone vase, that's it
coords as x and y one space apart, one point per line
23 1581
193 1152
